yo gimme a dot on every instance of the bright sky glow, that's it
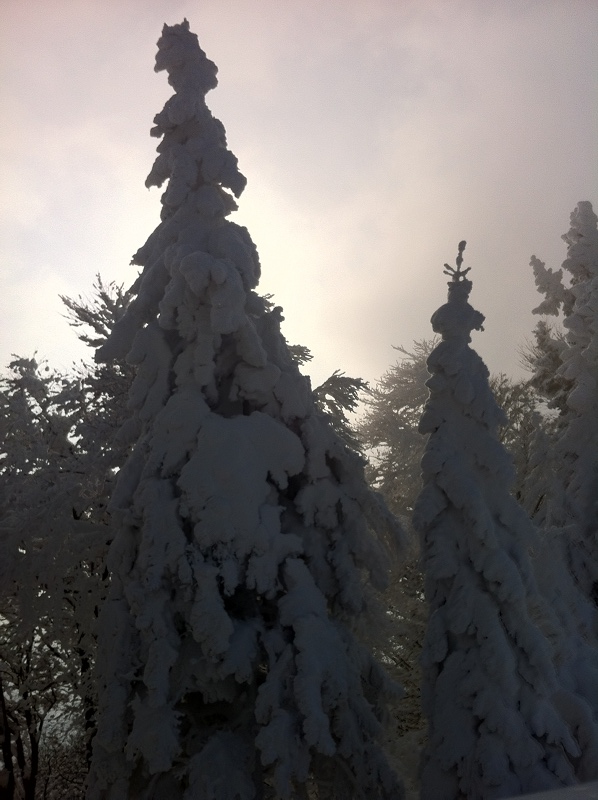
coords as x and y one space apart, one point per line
374 136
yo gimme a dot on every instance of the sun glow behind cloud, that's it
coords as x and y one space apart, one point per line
373 137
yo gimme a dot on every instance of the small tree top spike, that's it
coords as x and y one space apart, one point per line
457 274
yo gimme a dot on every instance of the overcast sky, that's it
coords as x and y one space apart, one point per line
374 135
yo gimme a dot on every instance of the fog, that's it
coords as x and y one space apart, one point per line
374 138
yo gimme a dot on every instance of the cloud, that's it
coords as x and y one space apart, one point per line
374 138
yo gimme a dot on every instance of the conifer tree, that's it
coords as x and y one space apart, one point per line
248 538
563 485
566 372
494 729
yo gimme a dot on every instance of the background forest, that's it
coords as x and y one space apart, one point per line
491 541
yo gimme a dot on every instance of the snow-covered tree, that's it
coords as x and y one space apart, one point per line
57 457
337 396
566 372
248 542
389 433
99 406
38 681
489 686
520 402
389 428
58 453
39 559
562 488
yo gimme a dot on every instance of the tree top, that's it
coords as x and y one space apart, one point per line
456 319
458 274
181 56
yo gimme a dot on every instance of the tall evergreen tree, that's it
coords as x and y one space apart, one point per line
563 486
488 681
566 371
389 433
248 537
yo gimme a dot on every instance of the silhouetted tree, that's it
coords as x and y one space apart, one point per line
248 537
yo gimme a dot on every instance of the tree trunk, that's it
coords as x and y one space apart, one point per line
89 705
30 780
7 786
